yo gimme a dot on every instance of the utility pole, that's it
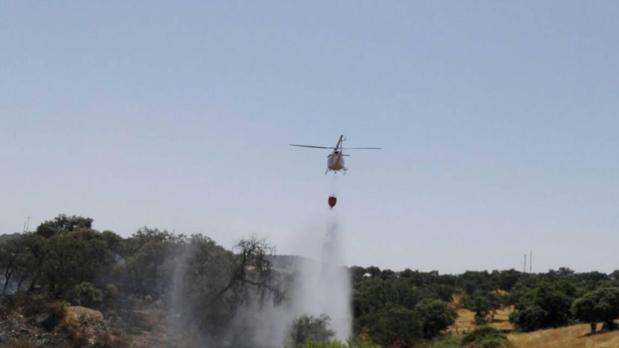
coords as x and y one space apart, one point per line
524 269
531 261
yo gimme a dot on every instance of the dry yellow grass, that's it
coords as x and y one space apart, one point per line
465 319
574 336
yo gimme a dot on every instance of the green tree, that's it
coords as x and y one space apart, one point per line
435 317
545 305
529 318
395 325
601 305
63 223
483 303
309 328
85 294
11 258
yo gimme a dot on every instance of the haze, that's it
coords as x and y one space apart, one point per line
498 122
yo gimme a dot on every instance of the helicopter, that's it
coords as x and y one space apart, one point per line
335 160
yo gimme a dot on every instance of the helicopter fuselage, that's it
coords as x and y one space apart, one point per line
335 161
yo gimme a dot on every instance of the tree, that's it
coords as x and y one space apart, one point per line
72 258
435 317
483 303
63 223
10 252
545 305
600 305
213 287
309 328
395 324
529 318
85 294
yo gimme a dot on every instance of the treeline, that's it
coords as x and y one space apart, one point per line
205 287
401 308
66 261
408 306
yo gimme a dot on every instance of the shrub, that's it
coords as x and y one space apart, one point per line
85 294
485 337
354 343
444 342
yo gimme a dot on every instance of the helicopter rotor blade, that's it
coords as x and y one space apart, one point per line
313 146
362 148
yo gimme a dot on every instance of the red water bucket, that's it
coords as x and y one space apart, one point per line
332 201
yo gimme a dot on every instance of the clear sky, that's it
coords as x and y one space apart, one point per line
499 121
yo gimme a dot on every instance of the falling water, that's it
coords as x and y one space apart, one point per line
323 287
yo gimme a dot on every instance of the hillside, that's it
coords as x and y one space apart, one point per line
574 336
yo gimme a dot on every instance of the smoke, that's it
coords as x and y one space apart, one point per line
320 286
311 287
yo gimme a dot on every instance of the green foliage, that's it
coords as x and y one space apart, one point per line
62 224
355 343
396 325
529 318
220 283
601 305
66 259
384 301
435 317
309 329
72 258
483 303
85 294
486 337
443 342
142 272
545 305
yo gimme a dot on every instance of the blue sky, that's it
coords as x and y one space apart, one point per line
499 123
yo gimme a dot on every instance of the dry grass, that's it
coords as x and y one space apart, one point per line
574 336
465 319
